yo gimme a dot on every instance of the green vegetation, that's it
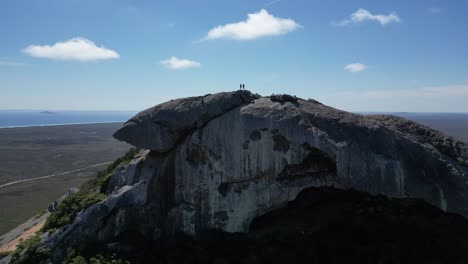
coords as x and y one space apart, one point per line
72 258
23 201
4 254
30 152
70 207
102 180
41 213
30 251
90 193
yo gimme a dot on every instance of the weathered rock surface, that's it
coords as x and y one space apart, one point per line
322 225
220 161
161 127
326 225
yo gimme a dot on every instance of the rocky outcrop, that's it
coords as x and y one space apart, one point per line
322 225
53 206
220 161
160 128
326 225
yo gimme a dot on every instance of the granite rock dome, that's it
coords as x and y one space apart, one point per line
219 161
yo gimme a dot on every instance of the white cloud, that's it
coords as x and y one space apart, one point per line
257 25
79 49
362 15
355 67
175 63
11 63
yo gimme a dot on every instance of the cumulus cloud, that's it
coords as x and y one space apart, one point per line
175 63
257 25
355 67
362 15
79 49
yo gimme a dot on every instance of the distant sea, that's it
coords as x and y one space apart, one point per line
454 124
27 118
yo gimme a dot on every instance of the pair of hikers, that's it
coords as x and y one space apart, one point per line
242 87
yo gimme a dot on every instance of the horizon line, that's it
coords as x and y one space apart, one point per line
69 110
64 124
113 110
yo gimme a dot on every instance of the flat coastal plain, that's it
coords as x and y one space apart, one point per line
70 154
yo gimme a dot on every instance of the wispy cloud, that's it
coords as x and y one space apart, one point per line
175 63
355 67
432 91
272 2
11 63
78 49
260 24
439 98
362 15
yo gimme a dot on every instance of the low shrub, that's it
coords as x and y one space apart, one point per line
41 213
103 177
70 207
4 254
73 258
282 98
30 251
90 193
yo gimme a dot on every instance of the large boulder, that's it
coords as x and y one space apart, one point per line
161 127
220 161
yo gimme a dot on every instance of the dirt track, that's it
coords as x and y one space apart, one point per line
55 174
25 235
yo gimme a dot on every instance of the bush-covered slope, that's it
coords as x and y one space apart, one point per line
32 251
323 225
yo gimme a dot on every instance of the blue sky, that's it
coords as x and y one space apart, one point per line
130 55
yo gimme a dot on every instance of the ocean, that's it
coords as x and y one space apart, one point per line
27 118
454 124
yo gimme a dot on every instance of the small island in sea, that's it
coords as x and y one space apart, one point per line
48 112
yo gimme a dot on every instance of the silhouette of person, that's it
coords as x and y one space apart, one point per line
243 86
240 87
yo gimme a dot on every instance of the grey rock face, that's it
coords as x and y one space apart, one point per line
6 260
219 161
53 206
161 127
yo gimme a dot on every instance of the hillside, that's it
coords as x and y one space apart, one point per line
254 174
70 154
